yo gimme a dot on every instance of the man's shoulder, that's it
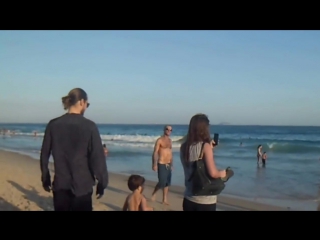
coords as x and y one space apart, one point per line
87 121
90 122
54 120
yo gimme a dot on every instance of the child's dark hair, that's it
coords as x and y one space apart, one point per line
264 152
104 145
135 181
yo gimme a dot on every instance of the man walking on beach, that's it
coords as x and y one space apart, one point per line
78 155
162 163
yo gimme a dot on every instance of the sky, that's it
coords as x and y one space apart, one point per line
156 77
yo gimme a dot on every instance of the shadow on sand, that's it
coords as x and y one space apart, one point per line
113 207
117 190
45 203
171 189
6 206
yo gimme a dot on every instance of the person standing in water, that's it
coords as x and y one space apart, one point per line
264 159
162 163
259 153
105 149
75 144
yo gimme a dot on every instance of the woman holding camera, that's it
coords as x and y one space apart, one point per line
198 133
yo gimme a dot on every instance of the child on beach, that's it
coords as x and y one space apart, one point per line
135 201
264 158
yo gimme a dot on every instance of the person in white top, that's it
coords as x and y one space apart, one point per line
199 132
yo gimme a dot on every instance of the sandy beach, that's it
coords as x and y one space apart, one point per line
21 190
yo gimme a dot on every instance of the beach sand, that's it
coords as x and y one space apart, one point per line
21 190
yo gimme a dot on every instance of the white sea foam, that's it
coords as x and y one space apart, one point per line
125 140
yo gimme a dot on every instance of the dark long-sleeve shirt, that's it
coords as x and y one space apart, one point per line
78 154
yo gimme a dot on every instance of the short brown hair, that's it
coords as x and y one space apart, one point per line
73 97
135 181
166 126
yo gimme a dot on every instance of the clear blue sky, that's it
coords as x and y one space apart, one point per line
240 77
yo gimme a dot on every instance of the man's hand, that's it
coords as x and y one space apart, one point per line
47 188
47 184
171 166
155 168
99 190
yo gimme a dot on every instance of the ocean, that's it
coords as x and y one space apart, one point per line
290 178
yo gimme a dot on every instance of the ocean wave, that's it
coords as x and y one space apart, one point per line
136 145
136 138
227 138
277 147
117 137
269 144
30 134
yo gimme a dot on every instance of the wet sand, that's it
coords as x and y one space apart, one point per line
21 190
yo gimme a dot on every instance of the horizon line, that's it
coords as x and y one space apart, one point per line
185 124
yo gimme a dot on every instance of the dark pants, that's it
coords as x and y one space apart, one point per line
192 206
164 175
64 200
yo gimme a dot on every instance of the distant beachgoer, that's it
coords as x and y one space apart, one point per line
163 163
259 153
105 149
78 155
135 201
241 144
199 133
264 158
35 133
5 132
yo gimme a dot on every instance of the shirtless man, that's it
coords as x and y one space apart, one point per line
162 163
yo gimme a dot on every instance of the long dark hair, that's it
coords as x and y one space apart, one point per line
199 131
